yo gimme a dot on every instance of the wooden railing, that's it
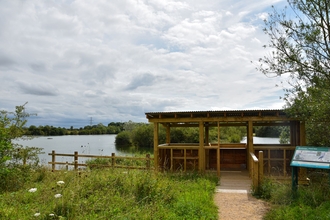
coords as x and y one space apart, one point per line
113 161
256 169
277 158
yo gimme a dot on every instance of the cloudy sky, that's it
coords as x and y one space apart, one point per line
73 60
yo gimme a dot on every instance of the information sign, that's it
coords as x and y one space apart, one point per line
311 157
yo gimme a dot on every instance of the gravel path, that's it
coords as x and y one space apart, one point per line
234 199
239 206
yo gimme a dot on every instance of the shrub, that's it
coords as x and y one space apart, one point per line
123 139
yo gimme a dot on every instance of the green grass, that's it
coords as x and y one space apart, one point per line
124 162
110 194
310 202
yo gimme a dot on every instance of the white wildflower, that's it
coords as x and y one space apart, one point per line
51 215
58 196
32 190
37 214
60 182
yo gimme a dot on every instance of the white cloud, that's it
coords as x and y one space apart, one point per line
115 60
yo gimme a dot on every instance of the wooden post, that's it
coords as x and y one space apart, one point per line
293 133
250 144
255 175
67 166
53 161
168 134
302 134
171 167
284 162
207 133
156 151
201 153
113 160
207 151
268 164
76 160
148 161
261 167
185 160
218 151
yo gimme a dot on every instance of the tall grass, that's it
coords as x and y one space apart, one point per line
110 194
309 202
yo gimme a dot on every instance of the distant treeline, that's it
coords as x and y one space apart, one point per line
141 135
47 130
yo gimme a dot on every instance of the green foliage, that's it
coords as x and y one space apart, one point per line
112 128
11 127
267 131
313 106
132 161
184 135
229 134
285 135
26 155
110 194
309 202
142 136
123 138
16 161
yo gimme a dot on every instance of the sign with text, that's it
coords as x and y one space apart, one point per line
311 157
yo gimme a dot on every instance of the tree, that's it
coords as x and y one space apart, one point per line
301 50
267 131
12 127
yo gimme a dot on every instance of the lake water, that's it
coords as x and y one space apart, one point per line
263 140
84 144
92 144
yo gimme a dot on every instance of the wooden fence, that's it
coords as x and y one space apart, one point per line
114 161
256 169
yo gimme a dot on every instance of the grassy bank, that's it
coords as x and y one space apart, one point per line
109 194
308 202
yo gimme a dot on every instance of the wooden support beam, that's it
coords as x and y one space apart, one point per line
156 143
207 151
250 144
284 163
261 167
302 134
268 161
218 151
201 151
168 134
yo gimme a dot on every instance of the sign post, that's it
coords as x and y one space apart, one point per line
309 157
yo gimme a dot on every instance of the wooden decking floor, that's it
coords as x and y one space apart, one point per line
234 181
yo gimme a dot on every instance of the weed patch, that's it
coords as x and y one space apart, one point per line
110 194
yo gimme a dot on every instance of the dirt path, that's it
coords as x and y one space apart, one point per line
234 199
239 206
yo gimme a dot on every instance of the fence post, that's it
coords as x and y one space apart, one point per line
76 160
67 166
256 174
261 167
148 161
113 161
53 160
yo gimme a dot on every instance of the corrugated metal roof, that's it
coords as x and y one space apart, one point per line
215 111
225 114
